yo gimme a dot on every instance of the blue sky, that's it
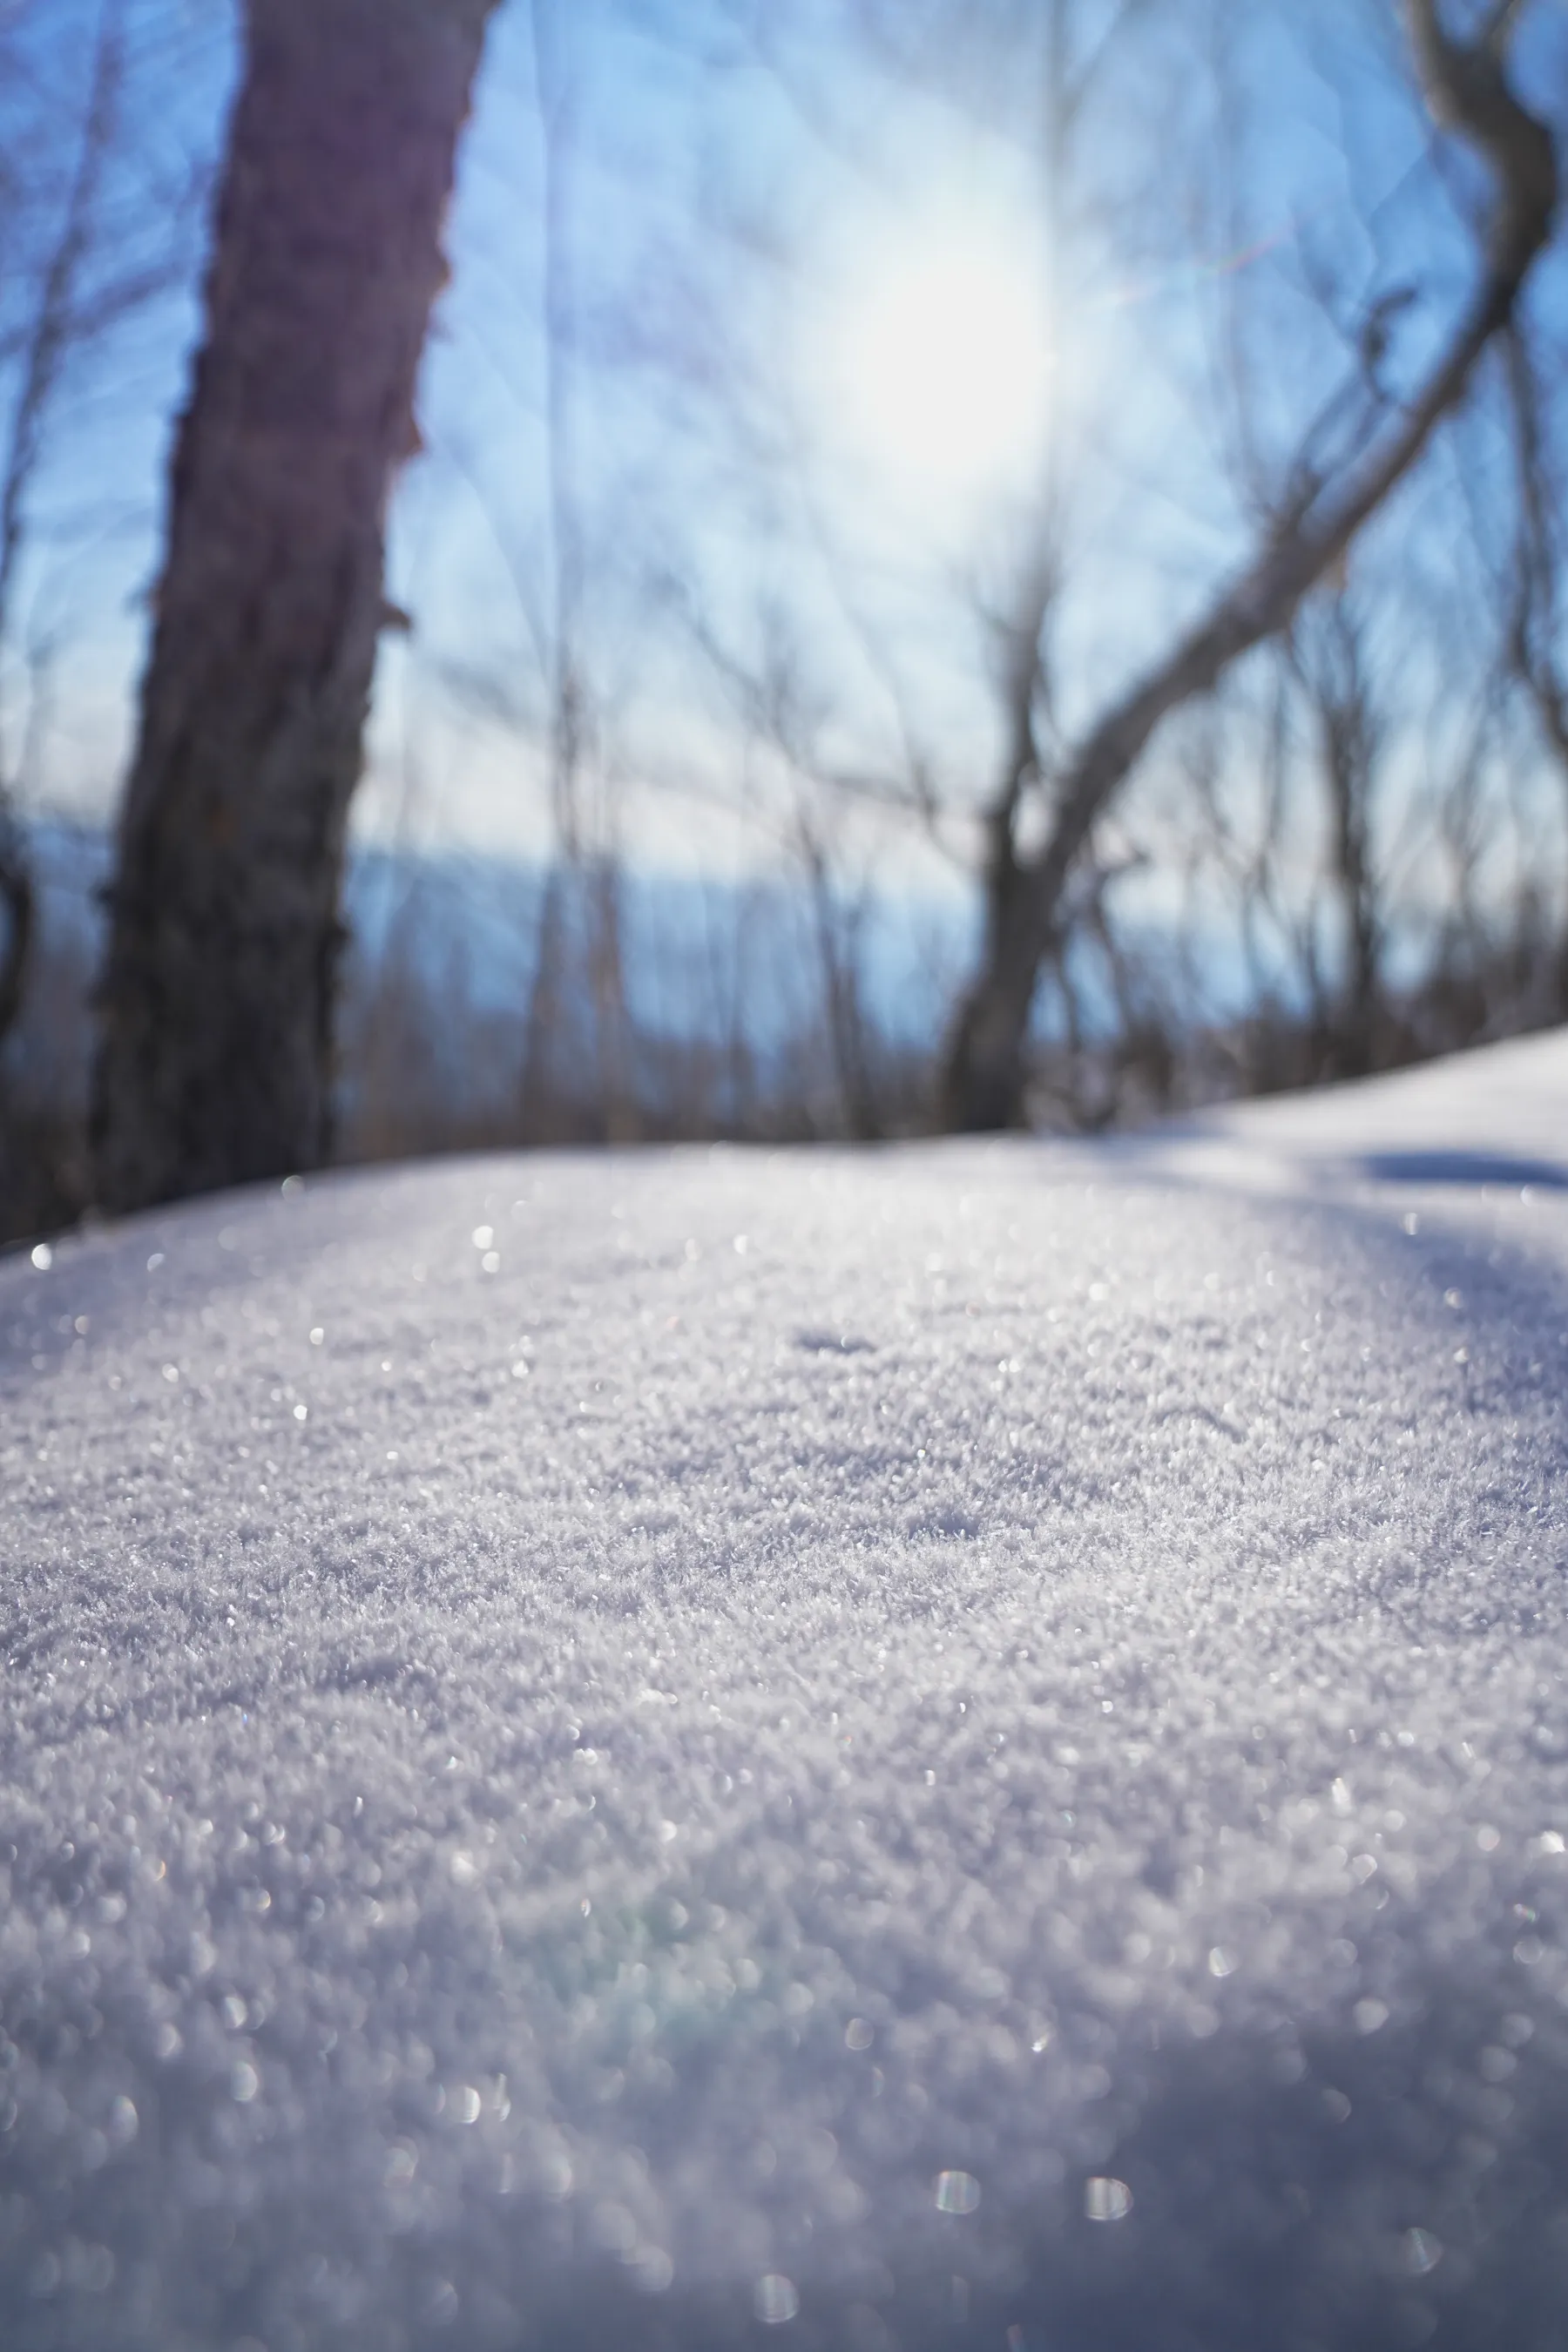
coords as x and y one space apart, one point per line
736 203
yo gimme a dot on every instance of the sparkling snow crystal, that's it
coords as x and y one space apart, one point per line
963 1748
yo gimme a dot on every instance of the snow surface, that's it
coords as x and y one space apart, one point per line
960 1748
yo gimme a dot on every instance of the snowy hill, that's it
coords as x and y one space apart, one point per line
1498 1116
965 1747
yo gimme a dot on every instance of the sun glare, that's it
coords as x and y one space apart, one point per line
945 365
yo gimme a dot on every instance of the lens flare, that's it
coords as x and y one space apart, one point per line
945 365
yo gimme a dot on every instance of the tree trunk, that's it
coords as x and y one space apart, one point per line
982 1086
18 908
217 997
1349 784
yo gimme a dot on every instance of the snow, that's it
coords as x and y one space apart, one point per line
965 1747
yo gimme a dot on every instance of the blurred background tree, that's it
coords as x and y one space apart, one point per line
101 211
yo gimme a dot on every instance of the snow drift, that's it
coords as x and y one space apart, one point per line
964 1747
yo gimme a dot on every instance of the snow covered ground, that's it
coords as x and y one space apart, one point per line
962 1747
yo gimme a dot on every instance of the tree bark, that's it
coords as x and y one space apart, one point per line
984 1073
19 905
217 997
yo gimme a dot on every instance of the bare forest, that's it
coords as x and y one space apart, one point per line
597 574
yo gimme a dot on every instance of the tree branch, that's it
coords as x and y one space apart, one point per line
1466 86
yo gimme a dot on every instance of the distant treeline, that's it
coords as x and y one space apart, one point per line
489 1004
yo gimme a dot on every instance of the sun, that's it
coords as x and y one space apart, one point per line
945 363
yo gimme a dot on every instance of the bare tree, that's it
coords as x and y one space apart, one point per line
65 315
1328 653
579 949
1466 88
1535 617
45 344
100 199
217 997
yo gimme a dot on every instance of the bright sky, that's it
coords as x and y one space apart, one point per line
823 361
934 361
